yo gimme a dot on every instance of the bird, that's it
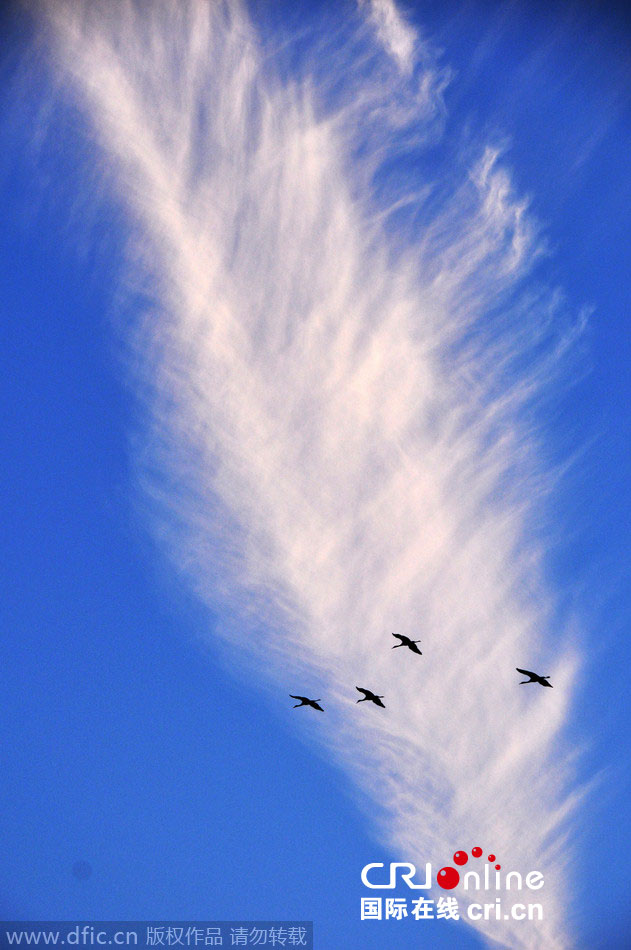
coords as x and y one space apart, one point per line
371 696
307 702
406 642
534 678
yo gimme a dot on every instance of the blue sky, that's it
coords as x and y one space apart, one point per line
136 739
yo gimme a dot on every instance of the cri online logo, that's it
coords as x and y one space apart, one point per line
449 877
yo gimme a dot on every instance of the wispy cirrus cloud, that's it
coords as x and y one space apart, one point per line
337 435
399 39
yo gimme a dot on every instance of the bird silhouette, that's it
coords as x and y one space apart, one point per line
406 642
307 702
371 696
534 678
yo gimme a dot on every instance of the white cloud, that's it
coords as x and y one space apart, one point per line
335 427
399 39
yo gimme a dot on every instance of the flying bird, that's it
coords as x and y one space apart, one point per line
406 642
371 696
307 702
534 678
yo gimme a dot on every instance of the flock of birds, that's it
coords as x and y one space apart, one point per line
411 645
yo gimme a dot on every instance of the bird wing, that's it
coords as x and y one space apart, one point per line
377 700
303 698
399 637
415 649
525 672
366 692
317 706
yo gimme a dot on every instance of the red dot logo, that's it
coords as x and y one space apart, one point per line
461 857
491 858
476 852
498 867
448 878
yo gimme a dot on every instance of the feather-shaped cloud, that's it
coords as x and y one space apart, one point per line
336 435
